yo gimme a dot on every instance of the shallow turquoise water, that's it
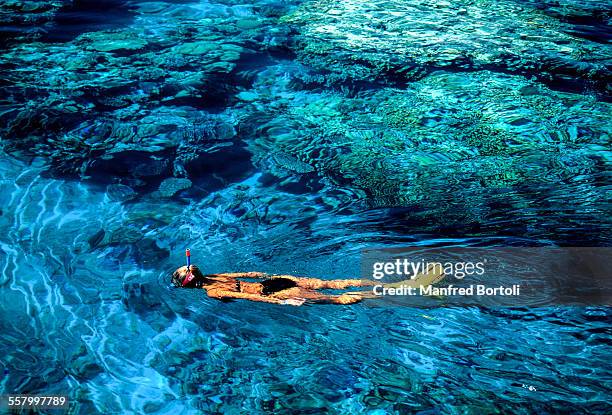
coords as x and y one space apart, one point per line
286 138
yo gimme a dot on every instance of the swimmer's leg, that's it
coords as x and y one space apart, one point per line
306 295
318 284
433 275
338 299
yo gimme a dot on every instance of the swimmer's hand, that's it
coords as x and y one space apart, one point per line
293 301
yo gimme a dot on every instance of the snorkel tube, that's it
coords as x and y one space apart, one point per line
189 276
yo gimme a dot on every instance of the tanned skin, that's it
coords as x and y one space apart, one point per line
282 289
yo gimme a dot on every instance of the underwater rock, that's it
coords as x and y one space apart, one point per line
133 296
149 253
114 41
151 167
247 24
128 233
247 96
147 215
84 368
228 163
129 164
170 187
120 193
291 163
96 239
31 6
225 52
196 48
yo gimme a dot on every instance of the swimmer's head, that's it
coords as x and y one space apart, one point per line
181 279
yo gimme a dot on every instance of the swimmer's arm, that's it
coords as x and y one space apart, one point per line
221 294
241 275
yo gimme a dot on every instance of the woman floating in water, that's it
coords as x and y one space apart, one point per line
284 289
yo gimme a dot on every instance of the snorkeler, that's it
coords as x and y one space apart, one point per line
284 289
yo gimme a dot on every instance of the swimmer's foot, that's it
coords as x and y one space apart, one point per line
433 275
348 298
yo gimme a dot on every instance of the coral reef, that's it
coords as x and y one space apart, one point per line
366 41
171 186
380 109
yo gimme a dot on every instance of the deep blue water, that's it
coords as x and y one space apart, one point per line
287 137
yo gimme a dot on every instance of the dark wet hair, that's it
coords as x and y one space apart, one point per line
179 276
